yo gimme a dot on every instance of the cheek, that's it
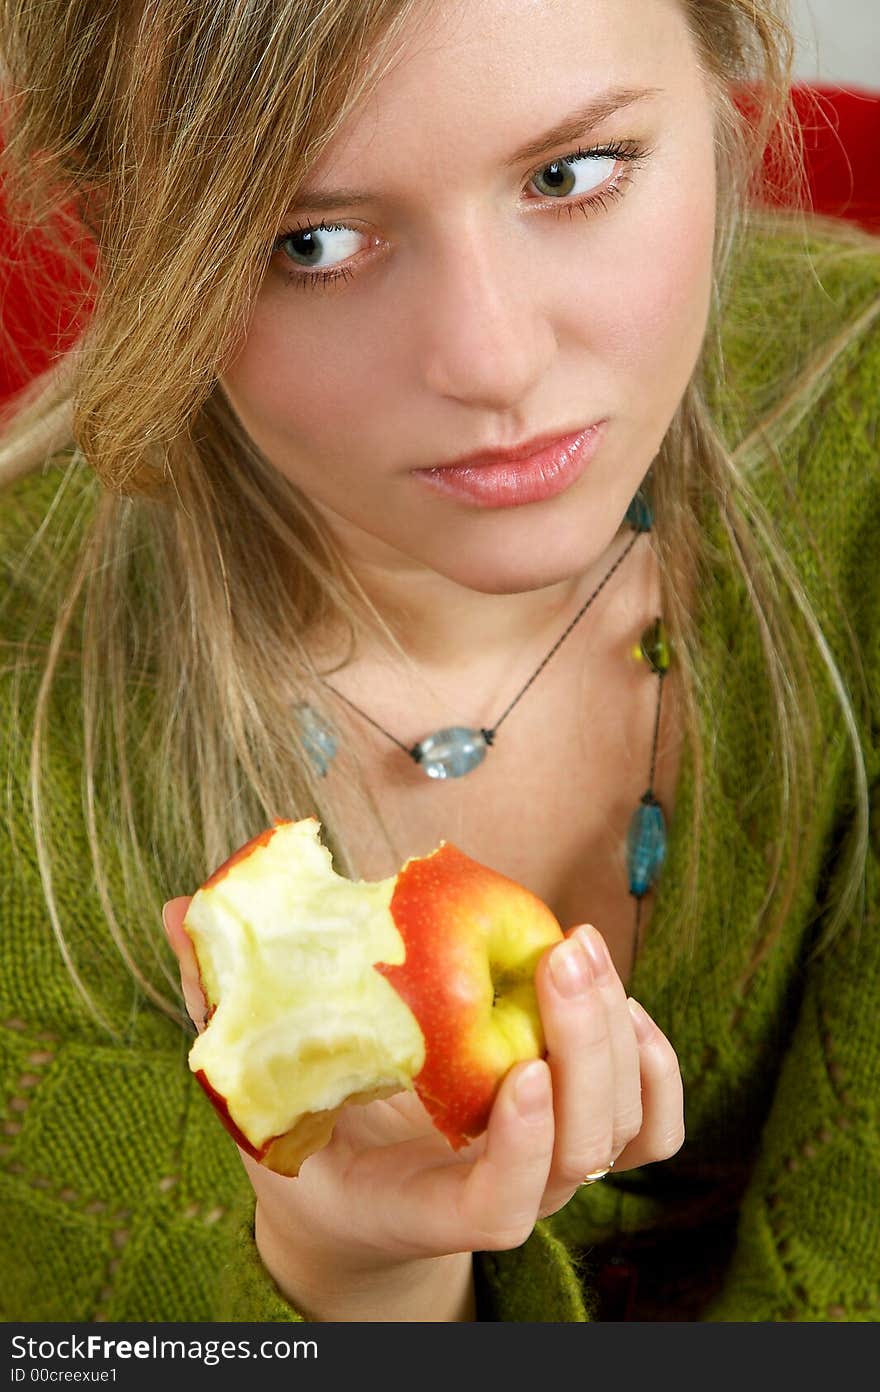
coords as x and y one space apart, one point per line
288 394
674 256
644 305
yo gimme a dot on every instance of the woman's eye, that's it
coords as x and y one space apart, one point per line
318 248
575 174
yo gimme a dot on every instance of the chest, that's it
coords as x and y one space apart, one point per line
549 806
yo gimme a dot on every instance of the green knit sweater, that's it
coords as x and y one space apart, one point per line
123 1197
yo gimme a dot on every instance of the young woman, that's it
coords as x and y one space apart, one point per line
249 571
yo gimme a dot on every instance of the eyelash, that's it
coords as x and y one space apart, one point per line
628 150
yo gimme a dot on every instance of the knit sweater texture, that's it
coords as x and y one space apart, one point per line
124 1199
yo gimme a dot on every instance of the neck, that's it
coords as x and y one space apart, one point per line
445 627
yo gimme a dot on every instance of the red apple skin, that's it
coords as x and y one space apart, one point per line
435 903
220 1107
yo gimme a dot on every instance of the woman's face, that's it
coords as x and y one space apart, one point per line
483 298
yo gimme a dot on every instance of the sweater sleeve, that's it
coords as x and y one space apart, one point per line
537 1282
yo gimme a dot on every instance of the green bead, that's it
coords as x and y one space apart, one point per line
655 646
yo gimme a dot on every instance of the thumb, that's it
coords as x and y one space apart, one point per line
505 1187
173 914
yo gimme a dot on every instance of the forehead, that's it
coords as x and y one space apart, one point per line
482 76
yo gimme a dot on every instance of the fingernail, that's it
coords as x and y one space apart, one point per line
532 1090
569 968
164 919
594 945
642 1022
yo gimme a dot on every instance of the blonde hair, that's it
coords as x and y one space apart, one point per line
199 560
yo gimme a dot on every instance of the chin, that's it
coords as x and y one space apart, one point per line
518 550
521 582
539 560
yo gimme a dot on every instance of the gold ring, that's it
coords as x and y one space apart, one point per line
596 1174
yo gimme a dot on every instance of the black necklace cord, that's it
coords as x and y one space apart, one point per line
489 735
560 641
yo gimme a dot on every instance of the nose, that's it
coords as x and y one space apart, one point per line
486 336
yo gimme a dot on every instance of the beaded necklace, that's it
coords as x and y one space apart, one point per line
456 750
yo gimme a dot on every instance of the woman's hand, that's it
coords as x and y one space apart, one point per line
388 1189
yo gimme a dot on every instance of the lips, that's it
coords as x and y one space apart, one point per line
534 477
513 455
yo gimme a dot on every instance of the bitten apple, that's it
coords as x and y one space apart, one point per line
324 991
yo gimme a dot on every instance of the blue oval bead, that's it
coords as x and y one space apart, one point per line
451 753
319 742
645 846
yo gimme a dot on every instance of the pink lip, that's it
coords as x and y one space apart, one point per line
526 477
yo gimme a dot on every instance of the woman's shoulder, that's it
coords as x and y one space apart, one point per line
803 419
798 390
43 513
801 299
777 249
31 499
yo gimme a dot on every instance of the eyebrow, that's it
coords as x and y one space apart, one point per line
575 124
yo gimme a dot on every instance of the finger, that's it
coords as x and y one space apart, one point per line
627 1121
173 914
662 1131
580 1052
490 1204
501 1192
